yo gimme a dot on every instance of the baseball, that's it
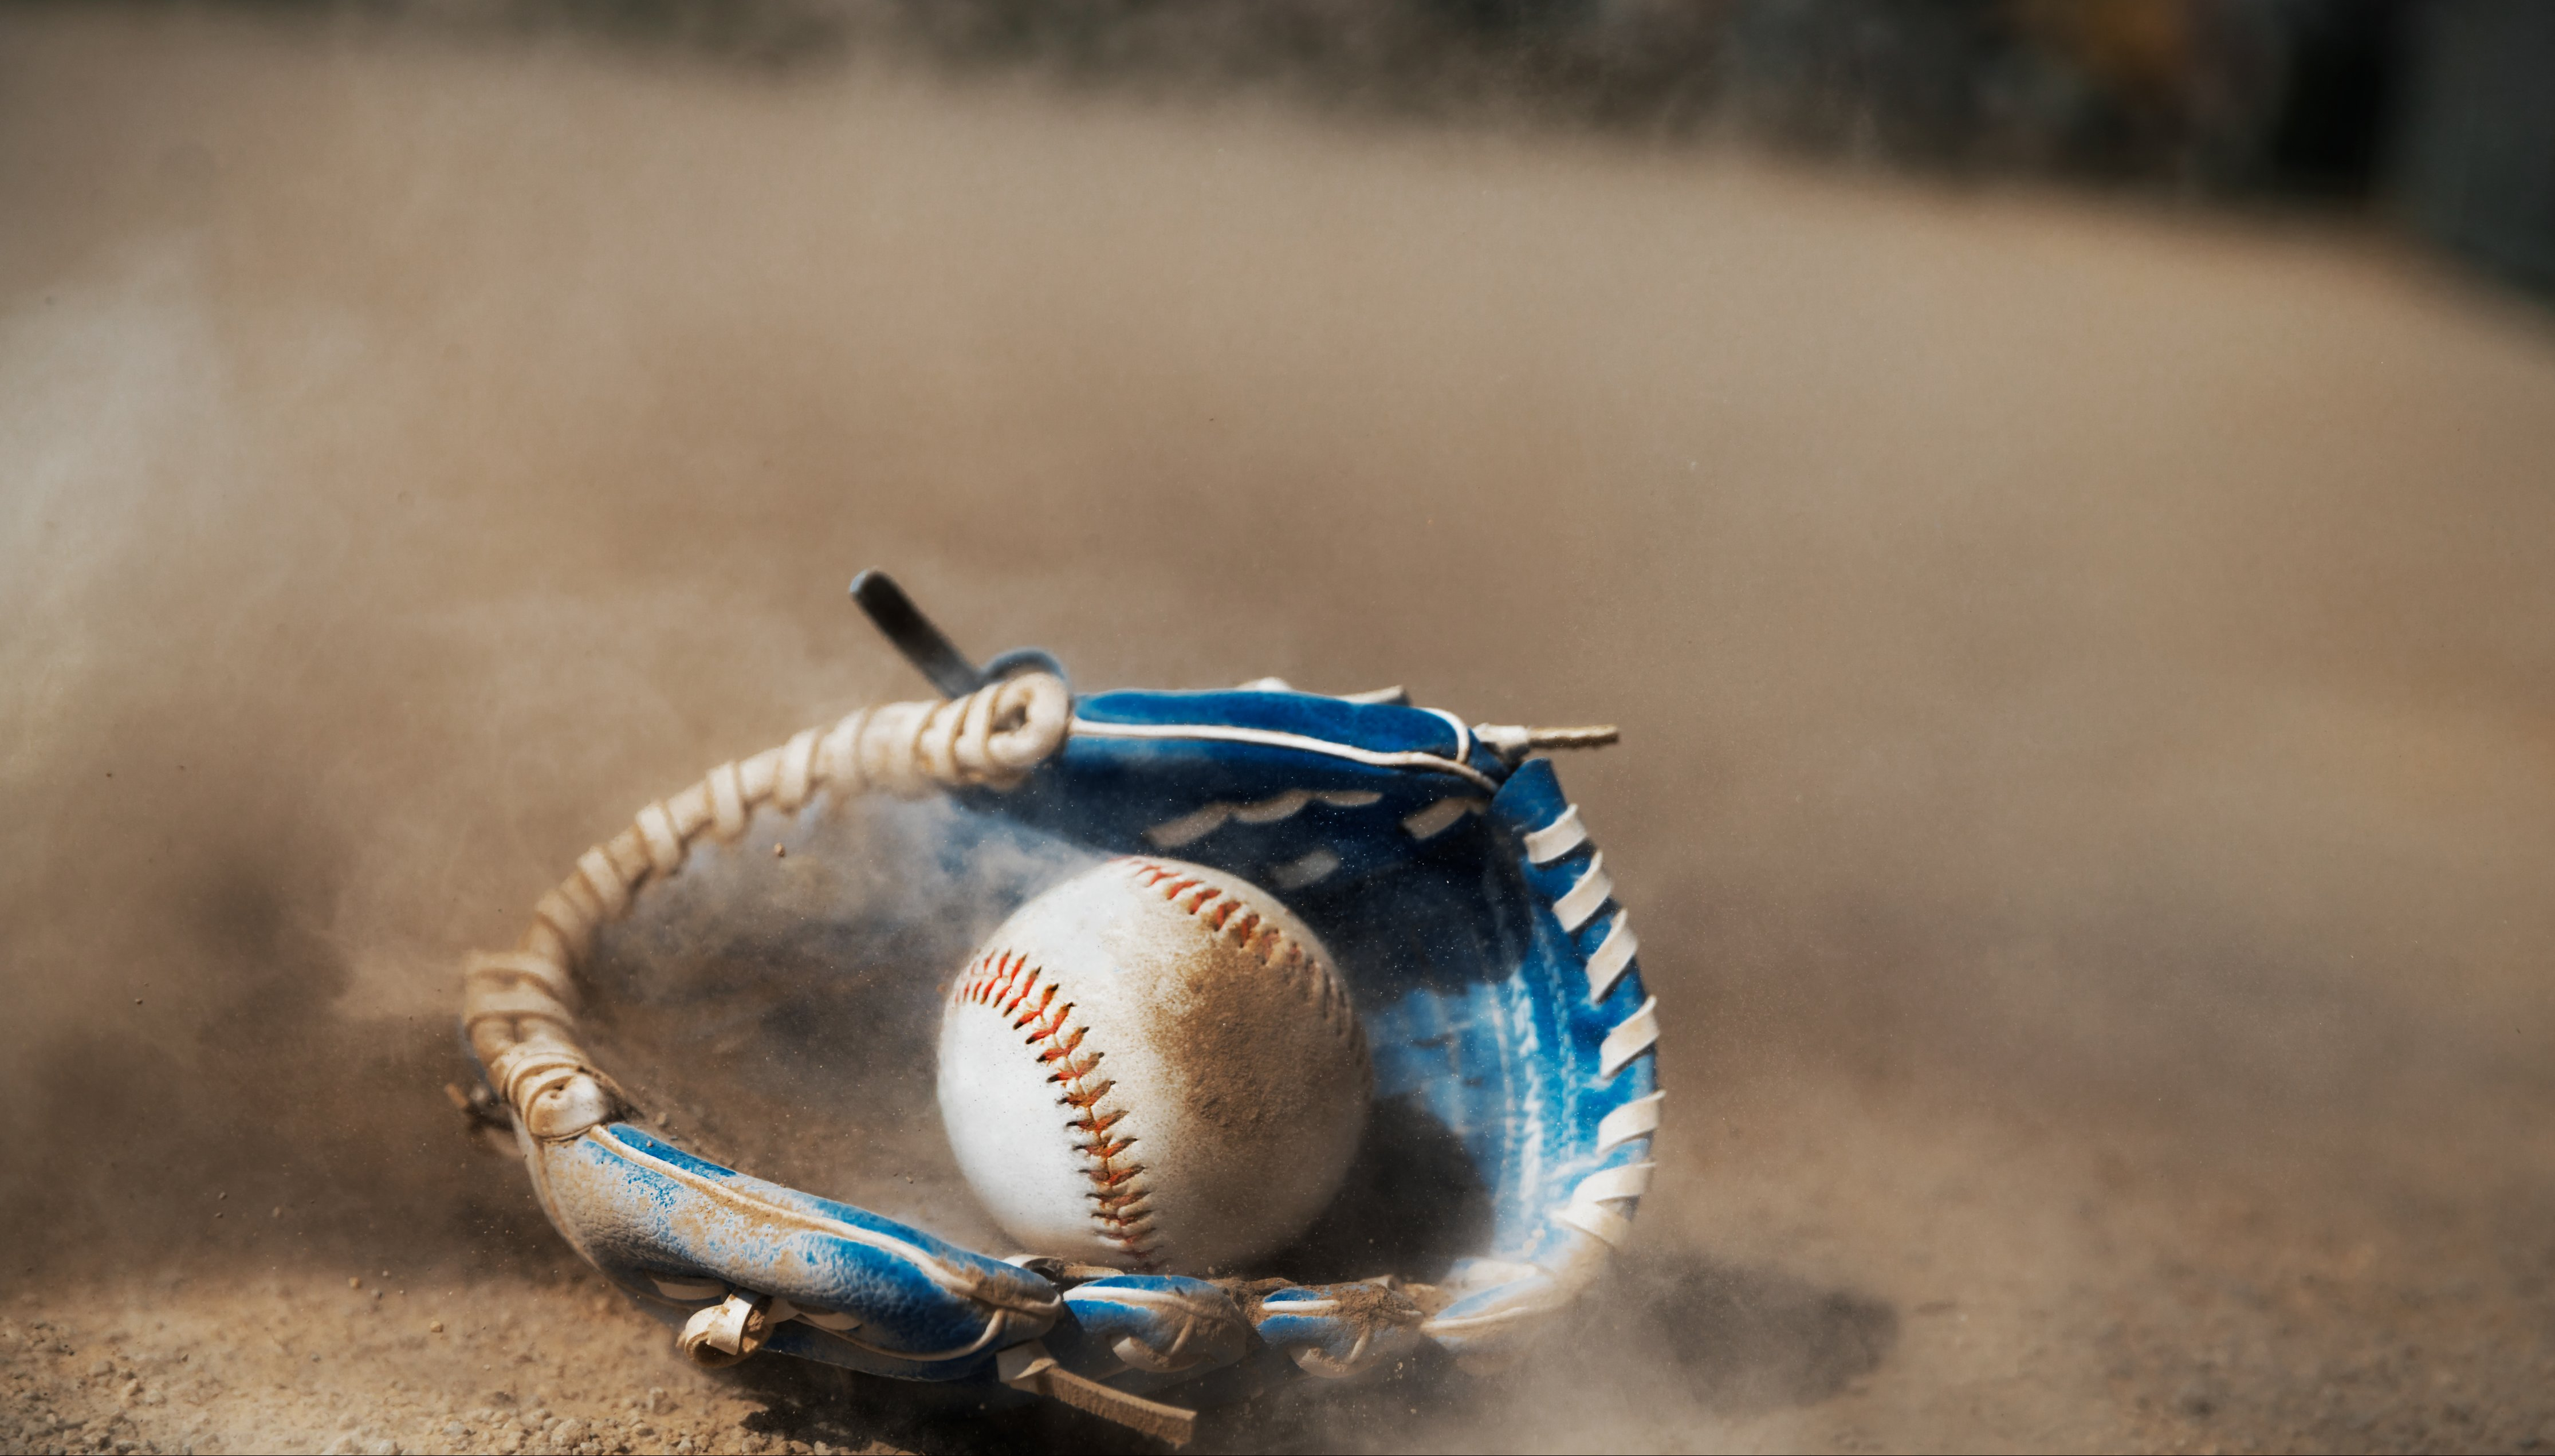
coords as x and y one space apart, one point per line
1154 1067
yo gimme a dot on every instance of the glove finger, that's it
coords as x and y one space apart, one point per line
860 1290
1339 1330
1284 788
1157 1324
1594 1089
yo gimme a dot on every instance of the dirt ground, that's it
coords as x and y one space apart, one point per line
2088 782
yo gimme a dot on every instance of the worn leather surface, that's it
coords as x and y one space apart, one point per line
1403 841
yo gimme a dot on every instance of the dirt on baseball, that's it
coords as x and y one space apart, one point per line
2084 666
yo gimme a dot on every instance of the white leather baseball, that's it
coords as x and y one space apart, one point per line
1152 1065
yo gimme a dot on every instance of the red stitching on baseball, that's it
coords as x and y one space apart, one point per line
1083 1098
1235 922
1045 999
1005 979
996 976
1074 1068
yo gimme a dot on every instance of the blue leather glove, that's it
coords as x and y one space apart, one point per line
1496 978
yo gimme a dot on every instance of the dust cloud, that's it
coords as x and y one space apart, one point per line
2086 679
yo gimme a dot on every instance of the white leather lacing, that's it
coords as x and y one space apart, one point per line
1601 1204
518 1007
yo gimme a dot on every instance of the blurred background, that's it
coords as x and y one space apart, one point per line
2057 496
2429 110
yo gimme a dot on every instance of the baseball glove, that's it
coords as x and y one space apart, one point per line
1459 893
